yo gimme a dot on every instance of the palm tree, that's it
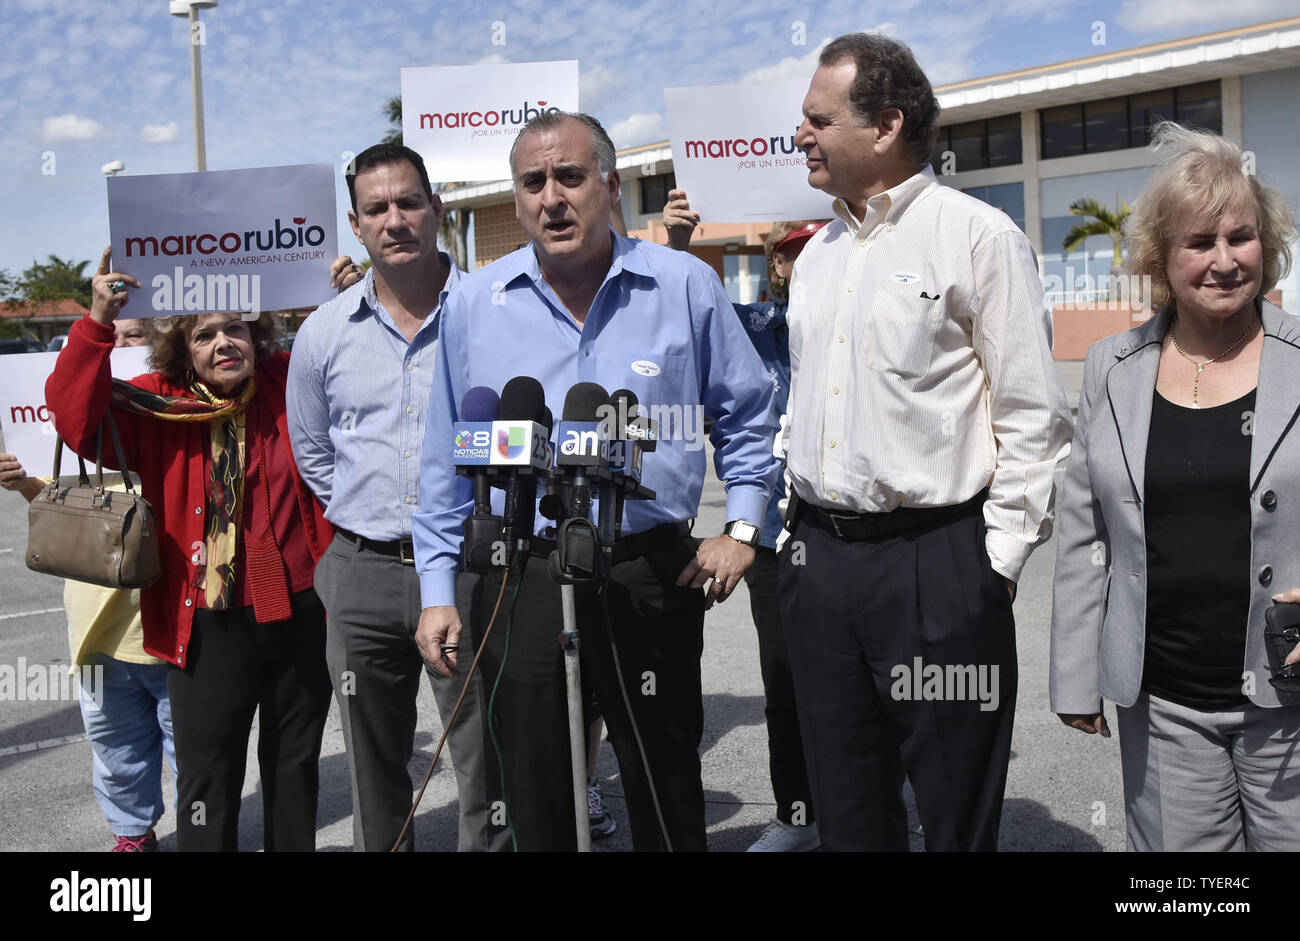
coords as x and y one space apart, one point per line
1104 222
393 111
455 222
57 279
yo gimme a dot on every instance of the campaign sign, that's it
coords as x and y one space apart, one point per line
225 241
24 417
463 119
734 152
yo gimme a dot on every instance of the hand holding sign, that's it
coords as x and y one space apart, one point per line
680 220
108 290
734 151
344 272
11 472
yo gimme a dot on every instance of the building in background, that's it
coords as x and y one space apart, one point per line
1030 143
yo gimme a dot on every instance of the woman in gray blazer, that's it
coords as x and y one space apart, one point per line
1180 516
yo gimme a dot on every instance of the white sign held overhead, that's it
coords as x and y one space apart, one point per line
225 241
734 152
24 417
463 119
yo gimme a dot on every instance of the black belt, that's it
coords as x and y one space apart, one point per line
629 547
400 549
866 527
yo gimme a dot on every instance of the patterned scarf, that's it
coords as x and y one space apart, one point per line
225 492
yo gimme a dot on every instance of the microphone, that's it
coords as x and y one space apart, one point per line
582 447
521 431
480 404
634 436
551 505
624 459
582 453
631 426
470 453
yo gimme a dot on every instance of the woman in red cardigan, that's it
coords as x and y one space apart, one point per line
235 612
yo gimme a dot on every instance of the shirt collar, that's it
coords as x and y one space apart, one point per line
890 205
627 257
368 300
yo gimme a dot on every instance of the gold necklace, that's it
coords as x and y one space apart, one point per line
1200 367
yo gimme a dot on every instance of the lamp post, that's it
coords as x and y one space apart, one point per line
190 10
113 168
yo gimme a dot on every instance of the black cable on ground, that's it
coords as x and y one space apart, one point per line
456 709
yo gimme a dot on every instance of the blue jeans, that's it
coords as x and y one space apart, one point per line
129 730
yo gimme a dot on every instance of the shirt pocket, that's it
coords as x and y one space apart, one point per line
655 377
900 331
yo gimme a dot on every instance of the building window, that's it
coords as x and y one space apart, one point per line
1146 111
654 192
1095 127
1062 131
1009 197
1004 141
978 145
1105 124
1200 106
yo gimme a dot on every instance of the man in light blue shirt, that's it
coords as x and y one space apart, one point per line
582 304
357 392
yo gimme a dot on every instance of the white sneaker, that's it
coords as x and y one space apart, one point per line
786 838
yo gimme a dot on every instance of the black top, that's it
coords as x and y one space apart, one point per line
1198 552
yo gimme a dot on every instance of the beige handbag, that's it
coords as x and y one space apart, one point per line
90 534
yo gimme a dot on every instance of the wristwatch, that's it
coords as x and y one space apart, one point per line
745 533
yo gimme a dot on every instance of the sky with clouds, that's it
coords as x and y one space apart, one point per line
86 82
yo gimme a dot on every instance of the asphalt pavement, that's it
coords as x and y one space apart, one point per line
1063 788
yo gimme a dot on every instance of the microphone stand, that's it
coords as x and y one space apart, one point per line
584 553
569 643
575 560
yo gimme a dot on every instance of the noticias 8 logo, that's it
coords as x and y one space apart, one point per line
473 439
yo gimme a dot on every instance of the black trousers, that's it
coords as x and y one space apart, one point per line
659 632
904 659
784 743
238 667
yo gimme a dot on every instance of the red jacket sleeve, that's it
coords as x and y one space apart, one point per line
80 391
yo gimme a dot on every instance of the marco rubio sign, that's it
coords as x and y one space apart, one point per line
463 119
734 152
225 241
24 417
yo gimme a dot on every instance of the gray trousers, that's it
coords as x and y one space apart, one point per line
373 607
1210 781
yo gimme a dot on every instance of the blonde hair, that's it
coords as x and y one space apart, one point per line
1201 178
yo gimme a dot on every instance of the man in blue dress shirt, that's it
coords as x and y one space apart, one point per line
583 304
356 398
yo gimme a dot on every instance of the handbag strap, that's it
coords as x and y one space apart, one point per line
83 477
117 447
